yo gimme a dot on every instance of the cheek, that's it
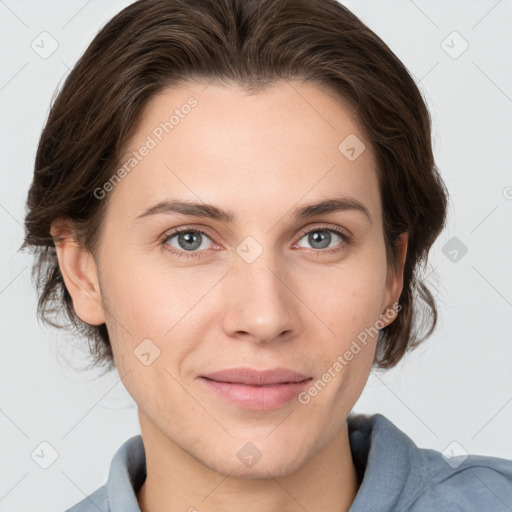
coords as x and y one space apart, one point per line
348 298
148 299
349 303
348 348
154 310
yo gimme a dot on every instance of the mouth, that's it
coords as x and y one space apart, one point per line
256 389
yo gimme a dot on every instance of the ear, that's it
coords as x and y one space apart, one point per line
395 278
79 272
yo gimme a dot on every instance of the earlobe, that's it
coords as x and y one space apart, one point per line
80 275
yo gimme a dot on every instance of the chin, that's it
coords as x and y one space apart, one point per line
260 470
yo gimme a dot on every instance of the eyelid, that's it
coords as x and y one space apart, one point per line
184 229
346 238
344 233
205 230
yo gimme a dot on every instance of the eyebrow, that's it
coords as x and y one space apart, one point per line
210 211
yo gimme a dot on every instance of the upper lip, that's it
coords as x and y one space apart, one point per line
256 377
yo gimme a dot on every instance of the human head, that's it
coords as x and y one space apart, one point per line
196 59
154 44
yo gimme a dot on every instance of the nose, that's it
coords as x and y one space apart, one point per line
262 306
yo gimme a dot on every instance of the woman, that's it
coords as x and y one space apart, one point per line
231 201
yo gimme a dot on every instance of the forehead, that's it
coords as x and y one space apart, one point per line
258 152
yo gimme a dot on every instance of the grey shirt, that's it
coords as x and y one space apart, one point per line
395 475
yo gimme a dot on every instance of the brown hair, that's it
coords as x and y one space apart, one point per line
153 44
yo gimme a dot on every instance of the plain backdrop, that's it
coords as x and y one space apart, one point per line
455 388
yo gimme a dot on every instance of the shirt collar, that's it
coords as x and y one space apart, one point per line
126 476
394 467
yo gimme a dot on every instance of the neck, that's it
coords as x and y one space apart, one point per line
177 481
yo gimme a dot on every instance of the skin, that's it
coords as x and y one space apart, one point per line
295 306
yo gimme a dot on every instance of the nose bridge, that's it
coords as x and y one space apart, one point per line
261 303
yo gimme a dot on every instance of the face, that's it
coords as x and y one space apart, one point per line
264 289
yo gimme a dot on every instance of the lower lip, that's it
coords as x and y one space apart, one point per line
257 397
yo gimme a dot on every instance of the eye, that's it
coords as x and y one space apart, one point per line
193 242
321 237
190 242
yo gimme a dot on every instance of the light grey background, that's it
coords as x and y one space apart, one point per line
456 387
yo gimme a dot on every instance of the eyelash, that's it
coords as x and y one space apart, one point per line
199 254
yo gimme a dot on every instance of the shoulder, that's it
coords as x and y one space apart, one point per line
126 474
469 483
95 502
399 476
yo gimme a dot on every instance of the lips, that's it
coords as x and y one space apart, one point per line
257 390
252 377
